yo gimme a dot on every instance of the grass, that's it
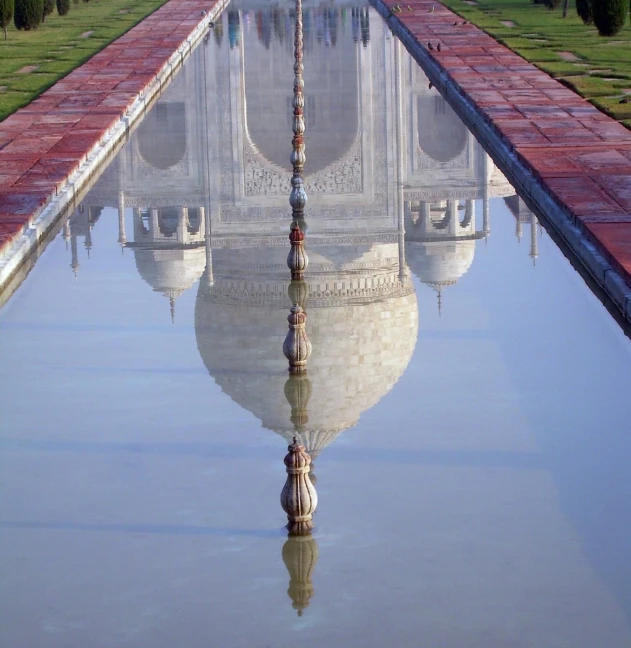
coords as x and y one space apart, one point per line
602 70
57 47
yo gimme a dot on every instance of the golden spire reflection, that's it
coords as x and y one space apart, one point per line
300 555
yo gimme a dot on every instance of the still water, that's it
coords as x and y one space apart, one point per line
468 411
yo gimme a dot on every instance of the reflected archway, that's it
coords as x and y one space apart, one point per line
162 135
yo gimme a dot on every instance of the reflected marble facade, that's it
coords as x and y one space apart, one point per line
392 176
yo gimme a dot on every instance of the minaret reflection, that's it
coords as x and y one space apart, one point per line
298 390
297 347
523 215
80 223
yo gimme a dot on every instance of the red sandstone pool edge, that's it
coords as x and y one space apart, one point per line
37 184
582 215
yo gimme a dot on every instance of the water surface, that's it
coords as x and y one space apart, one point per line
468 407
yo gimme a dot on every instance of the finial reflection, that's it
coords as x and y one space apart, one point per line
298 292
298 390
298 497
297 347
297 259
300 555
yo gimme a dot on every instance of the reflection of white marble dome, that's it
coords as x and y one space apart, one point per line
440 263
361 346
168 270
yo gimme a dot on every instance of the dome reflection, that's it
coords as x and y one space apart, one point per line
362 323
393 179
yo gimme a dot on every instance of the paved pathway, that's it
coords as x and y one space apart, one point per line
581 156
43 144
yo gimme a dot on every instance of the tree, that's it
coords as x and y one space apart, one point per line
6 14
28 14
584 10
49 5
63 7
609 15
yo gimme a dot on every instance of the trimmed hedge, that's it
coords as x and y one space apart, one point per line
63 7
609 15
49 5
6 14
584 10
28 14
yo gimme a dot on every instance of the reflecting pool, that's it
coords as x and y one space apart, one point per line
466 402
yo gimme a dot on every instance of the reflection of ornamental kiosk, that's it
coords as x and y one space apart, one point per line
169 249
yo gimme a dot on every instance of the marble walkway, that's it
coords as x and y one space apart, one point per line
579 158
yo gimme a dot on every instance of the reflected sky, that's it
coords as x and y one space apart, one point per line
466 401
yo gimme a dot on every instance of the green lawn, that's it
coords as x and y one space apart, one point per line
61 44
597 68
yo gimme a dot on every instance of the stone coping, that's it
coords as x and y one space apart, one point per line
568 160
50 148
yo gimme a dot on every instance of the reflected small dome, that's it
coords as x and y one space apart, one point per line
440 263
170 271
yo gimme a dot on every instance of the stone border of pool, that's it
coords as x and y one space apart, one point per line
568 160
51 148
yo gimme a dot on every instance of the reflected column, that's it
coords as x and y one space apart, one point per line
399 144
486 225
534 243
66 234
122 236
470 213
154 222
452 213
182 224
208 273
74 264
